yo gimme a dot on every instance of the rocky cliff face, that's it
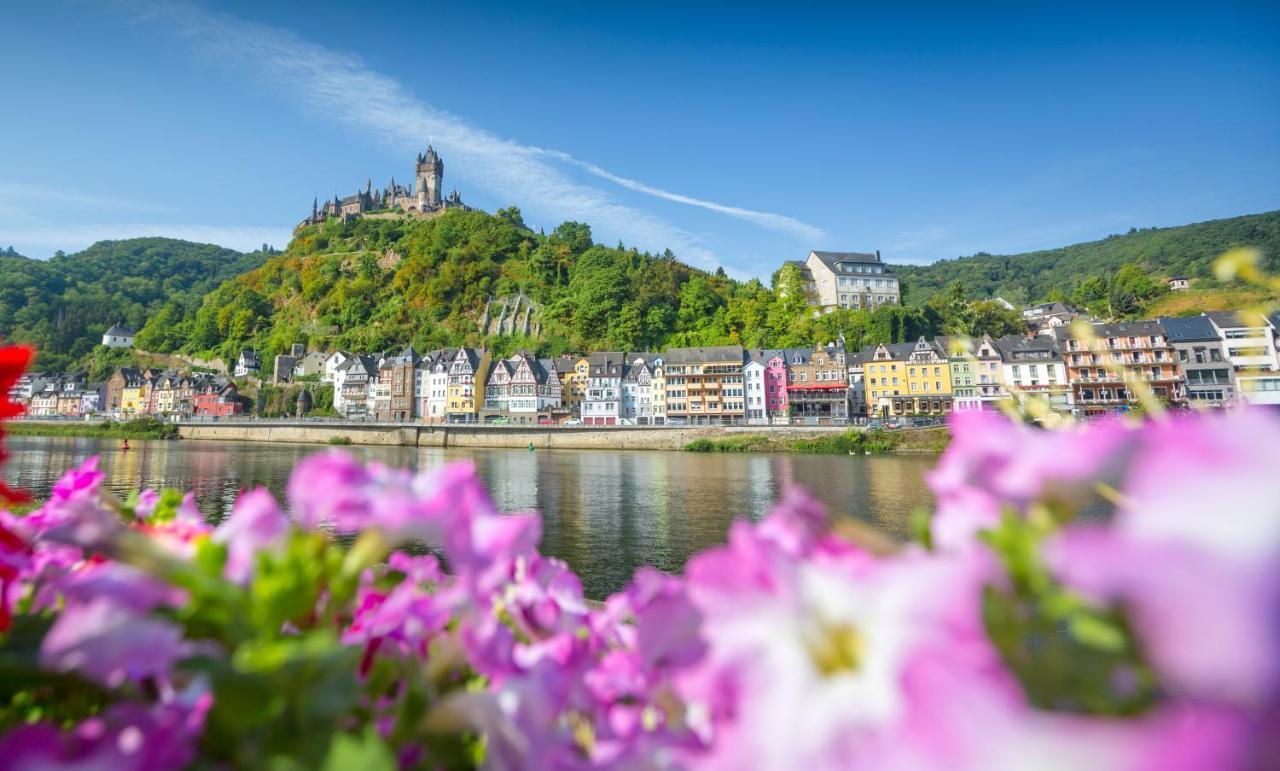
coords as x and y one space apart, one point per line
514 314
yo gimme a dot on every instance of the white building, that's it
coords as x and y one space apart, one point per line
431 384
1252 352
247 363
118 336
753 389
332 365
602 403
637 391
848 280
351 386
1033 366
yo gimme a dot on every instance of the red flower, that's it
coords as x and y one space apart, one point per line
13 362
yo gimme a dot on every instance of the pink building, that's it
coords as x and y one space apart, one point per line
216 400
775 384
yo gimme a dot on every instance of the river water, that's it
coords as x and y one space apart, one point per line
604 512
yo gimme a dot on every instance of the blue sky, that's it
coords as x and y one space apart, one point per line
734 134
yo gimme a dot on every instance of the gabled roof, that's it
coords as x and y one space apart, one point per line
1015 345
1187 329
796 355
118 330
831 259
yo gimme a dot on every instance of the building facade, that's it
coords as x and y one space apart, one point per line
1101 365
602 403
1251 349
1033 367
835 280
1210 380
705 385
468 374
818 389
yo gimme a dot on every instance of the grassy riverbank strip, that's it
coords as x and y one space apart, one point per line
139 428
855 442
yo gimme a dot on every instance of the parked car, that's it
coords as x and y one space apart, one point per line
573 422
874 425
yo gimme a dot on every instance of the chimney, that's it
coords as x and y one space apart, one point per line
877 255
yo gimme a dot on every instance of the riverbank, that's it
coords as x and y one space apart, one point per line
850 441
721 439
141 428
806 439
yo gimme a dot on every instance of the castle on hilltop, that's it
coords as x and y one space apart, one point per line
423 198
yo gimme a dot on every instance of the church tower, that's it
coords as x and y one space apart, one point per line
430 177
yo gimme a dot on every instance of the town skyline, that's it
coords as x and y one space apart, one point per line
1159 121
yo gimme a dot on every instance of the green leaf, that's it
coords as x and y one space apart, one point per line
366 752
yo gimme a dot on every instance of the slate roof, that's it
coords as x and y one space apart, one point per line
1225 319
705 354
1123 329
1187 329
831 259
120 331
1015 346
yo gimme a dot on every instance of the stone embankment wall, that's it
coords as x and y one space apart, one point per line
661 438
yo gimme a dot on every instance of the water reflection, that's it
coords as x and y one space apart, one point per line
605 513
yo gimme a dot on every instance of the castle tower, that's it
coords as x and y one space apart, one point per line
430 176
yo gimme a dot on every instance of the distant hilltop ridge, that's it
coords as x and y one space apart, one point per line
422 198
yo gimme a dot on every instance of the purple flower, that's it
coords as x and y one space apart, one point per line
406 618
994 464
75 512
256 524
148 499
1193 554
808 655
124 737
110 642
330 489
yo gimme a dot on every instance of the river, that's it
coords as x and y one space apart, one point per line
604 512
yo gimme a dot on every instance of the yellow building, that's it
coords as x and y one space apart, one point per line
908 379
133 398
467 376
573 385
658 392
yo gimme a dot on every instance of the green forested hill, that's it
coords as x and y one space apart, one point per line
64 304
378 283
1187 250
381 283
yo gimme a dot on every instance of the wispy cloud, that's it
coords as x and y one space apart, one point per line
778 222
339 86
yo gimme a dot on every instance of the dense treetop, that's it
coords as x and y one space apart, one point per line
1186 250
379 283
64 304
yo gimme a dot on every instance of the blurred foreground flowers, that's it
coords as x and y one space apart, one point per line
1105 597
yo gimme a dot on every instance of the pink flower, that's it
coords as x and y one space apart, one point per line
808 653
110 642
75 512
256 524
405 619
124 737
1194 555
993 464
330 489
